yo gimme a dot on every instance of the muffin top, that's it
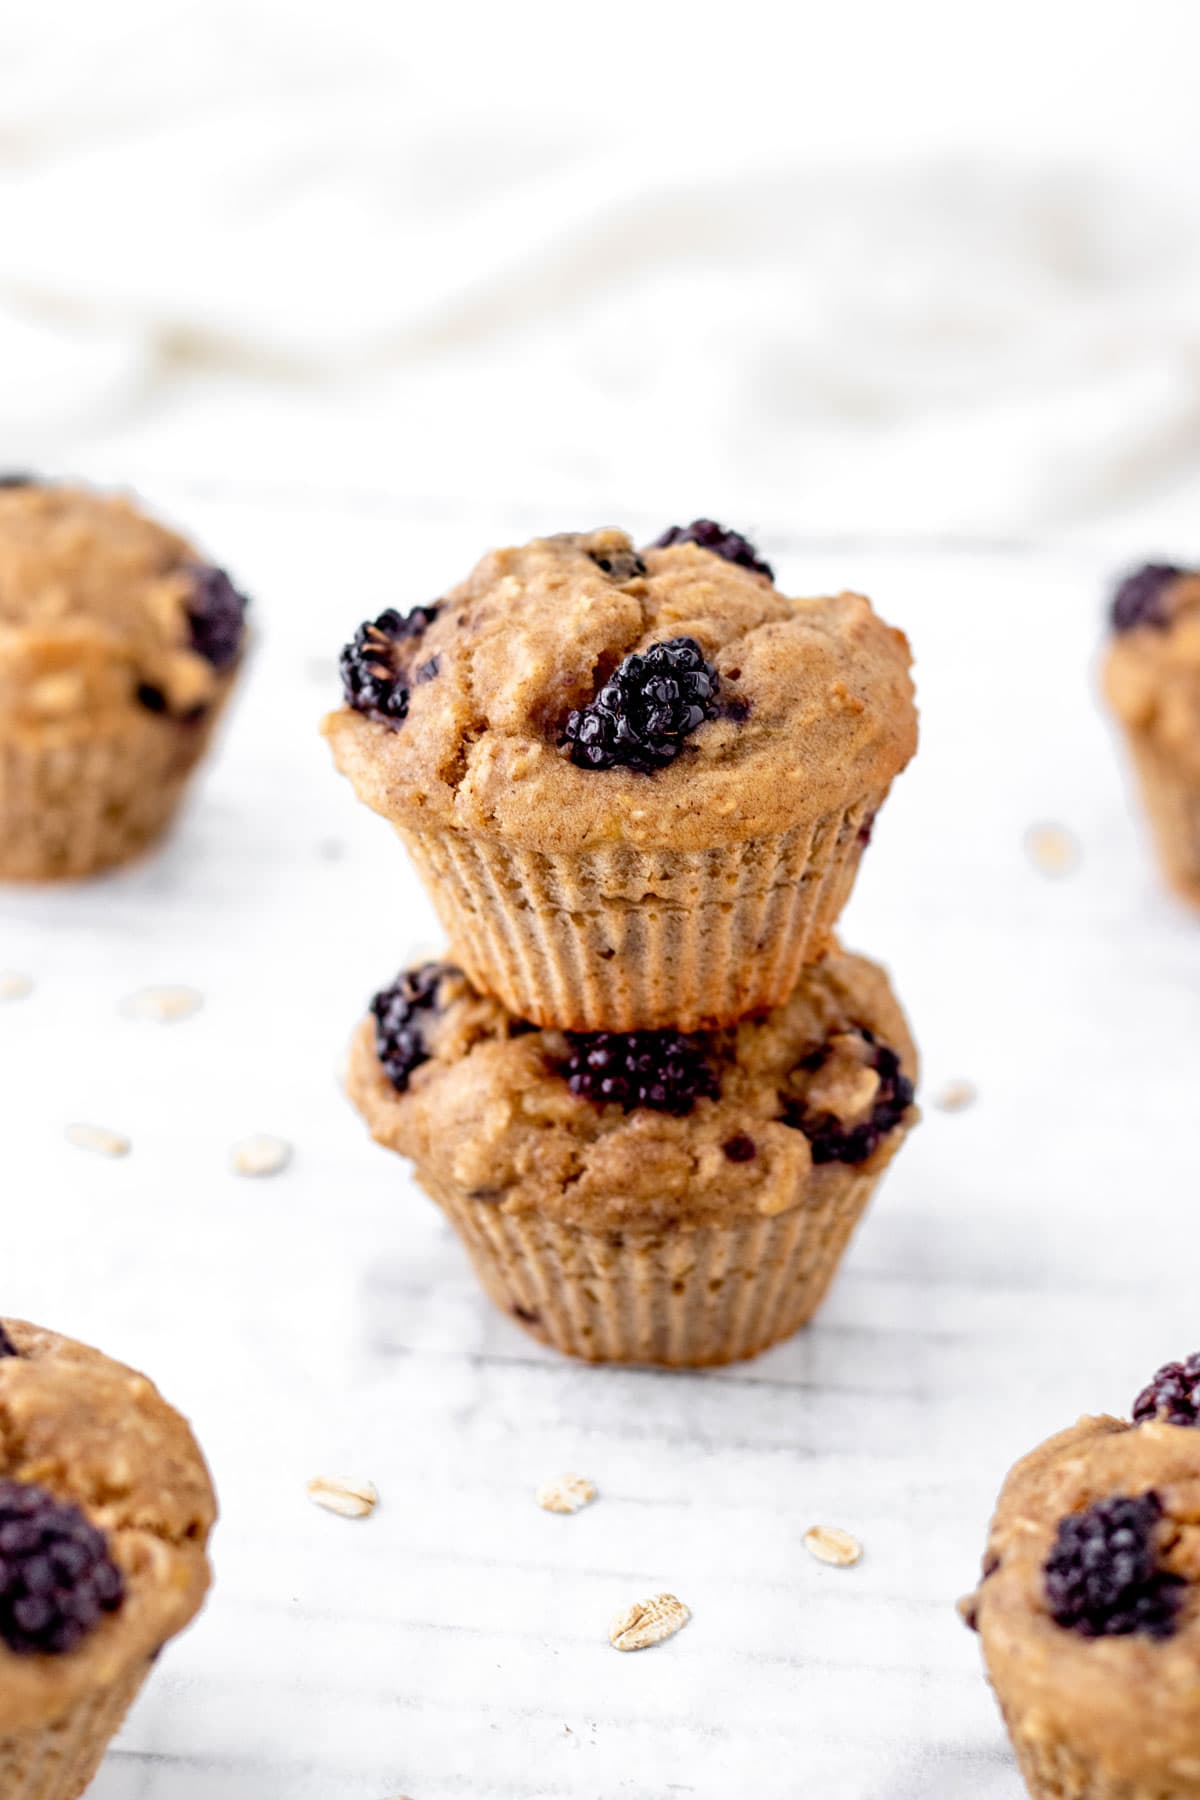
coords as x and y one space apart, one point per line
102 610
1088 1607
639 1129
105 1510
575 692
1152 670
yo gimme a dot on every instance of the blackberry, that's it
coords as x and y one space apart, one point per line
1102 1577
401 1014
7 1347
1173 1395
217 616
711 536
1139 599
56 1575
374 676
830 1140
645 709
666 1071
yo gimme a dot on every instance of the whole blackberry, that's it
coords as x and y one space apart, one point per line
401 1013
56 1575
711 536
1139 598
1102 1576
1173 1395
374 675
645 709
830 1140
666 1071
217 616
7 1347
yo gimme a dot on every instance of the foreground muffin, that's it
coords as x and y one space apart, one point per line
637 784
1152 679
118 647
1087 1609
105 1510
647 1197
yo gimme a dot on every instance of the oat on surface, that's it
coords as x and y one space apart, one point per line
162 1005
956 1096
648 1622
831 1545
98 1139
566 1493
260 1155
1053 849
14 985
345 1495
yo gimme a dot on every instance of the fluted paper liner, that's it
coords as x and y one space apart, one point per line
624 939
680 1298
57 1761
1172 799
72 807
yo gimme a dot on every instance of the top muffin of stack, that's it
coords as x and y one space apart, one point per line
637 783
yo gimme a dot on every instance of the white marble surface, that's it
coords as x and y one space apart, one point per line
1026 1260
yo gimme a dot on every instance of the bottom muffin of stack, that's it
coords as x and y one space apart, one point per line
646 1197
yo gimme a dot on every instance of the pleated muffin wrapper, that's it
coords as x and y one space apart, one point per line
1171 795
77 800
675 1297
57 1761
619 938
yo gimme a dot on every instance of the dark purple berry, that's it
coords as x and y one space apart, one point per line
57 1578
830 1139
402 1012
1140 598
1102 1578
7 1347
666 1071
644 711
217 616
711 536
374 669
740 1149
1173 1395
620 565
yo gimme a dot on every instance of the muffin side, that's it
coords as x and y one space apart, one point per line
119 646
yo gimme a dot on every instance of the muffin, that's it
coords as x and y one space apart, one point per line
118 648
105 1511
653 1196
1087 1609
1152 680
637 784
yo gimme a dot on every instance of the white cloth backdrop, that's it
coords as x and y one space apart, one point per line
899 270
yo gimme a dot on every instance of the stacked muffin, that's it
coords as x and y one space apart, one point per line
649 1090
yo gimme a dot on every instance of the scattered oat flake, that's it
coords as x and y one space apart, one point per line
829 1545
261 1155
648 1622
344 1495
163 1005
956 1096
566 1493
14 985
1052 849
98 1140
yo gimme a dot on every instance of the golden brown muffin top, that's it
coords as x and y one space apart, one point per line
99 1435
96 612
815 707
489 1112
1130 1701
1152 668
